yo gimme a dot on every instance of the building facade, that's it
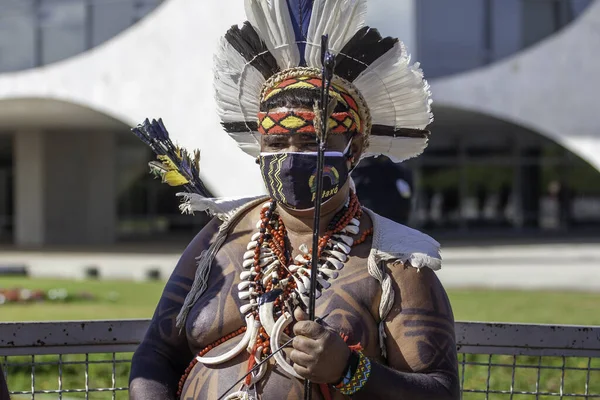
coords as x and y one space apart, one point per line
515 141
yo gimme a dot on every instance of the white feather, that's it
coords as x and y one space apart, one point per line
248 142
237 85
340 19
398 149
395 92
222 207
271 20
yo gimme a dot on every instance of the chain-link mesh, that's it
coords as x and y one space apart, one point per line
68 376
105 375
91 360
496 377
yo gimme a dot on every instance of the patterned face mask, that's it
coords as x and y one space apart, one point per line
290 177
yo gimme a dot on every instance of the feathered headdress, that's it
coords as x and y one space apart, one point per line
386 100
279 48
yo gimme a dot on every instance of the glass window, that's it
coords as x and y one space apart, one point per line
496 177
438 204
505 32
489 196
442 148
579 6
110 18
486 146
495 29
17 35
541 18
38 32
581 193
62 23
142 7
447 45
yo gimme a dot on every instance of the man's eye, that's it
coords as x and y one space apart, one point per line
308 139
278 145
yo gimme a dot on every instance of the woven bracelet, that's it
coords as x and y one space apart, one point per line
358 379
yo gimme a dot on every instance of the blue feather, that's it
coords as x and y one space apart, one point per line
300 13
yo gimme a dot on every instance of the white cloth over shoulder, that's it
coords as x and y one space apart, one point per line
395 242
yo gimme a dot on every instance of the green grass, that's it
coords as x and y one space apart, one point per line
116 299
536 307
112 300
121 300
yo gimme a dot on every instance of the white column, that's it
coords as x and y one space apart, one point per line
29 188
80 192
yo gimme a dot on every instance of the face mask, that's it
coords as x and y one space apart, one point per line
290 177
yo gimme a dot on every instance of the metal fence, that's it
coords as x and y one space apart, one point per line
49 360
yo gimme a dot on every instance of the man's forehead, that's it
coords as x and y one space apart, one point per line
299 137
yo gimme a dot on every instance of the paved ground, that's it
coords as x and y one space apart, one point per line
550 266
555 266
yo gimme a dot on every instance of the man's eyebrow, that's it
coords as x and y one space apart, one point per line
307 136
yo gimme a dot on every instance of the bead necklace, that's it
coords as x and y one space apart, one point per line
274 286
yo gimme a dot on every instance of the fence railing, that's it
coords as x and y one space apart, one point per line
90 359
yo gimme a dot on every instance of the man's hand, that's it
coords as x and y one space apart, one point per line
319 354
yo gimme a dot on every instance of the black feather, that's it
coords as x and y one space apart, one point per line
242 126
385 130
362 50
155 135
247 42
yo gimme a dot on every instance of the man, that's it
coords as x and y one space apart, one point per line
241 288
385 187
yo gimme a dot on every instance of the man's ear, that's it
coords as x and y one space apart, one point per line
262 142
356 148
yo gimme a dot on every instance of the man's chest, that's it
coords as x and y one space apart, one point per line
346 305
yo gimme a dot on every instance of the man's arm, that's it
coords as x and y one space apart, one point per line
3 387
421 344
421 351
163 355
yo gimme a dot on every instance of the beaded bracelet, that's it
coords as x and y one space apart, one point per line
351 385
351 366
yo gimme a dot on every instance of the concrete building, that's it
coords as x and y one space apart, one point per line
515 146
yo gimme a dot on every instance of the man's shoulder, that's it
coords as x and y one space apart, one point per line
394 241
226 217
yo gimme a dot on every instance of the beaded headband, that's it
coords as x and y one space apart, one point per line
350 120
292 122
356 119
